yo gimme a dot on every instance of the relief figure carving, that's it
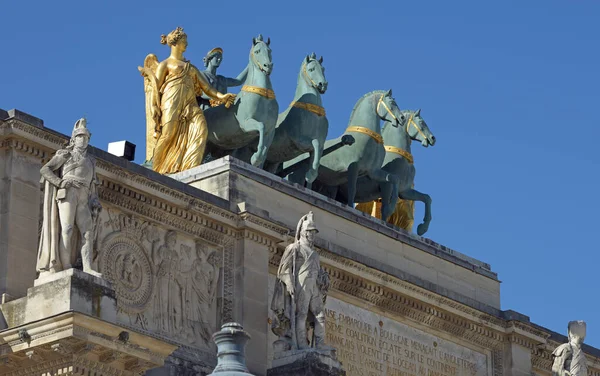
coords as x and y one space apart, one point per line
201 279
168 308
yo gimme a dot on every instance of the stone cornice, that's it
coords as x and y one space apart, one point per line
281 185
73 335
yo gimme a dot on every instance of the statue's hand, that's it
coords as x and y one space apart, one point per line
66 183
228 99
96 205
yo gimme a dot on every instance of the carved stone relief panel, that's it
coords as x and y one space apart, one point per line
166 281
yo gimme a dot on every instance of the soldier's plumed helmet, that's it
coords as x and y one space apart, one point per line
309 223
81 128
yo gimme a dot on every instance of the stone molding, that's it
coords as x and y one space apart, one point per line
72 341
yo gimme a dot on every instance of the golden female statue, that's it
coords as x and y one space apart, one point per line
176 129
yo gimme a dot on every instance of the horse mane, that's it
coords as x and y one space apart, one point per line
363 98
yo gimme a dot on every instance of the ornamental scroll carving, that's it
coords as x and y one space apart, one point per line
165 282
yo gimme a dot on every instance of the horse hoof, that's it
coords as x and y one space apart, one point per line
255 161
422 229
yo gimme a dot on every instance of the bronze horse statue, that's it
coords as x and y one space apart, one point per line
398 161
341 168
303 126
252 118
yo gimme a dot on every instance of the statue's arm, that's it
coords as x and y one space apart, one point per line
161 75
207 88
560 354
47 171
239 80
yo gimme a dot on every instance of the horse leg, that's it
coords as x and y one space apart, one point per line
248 125
414 195
352 179
383 176
389 198
271 167
316 154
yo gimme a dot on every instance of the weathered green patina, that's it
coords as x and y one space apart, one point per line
212 62
365 156
303 126
398 161
246 129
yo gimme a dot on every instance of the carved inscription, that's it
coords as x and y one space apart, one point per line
371 345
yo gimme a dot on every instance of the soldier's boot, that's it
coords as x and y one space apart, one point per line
319 332
301 335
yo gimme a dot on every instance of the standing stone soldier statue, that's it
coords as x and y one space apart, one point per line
71 207
300 291
569 358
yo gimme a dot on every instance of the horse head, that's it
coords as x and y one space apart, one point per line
388 110
314 72
260 54
417 128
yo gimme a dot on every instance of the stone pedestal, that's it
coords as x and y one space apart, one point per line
67 325
309 362
231 342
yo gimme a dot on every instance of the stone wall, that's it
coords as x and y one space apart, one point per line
398 302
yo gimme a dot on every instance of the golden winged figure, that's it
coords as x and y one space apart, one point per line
176 130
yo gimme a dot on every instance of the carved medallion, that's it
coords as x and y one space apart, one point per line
125 264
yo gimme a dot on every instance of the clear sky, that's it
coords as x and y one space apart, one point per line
509 88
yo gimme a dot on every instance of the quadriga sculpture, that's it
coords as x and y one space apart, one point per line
250 123
398 161
364 157
303 126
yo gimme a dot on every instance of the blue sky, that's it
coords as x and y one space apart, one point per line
509 88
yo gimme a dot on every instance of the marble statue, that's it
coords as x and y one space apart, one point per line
365 156
247 129
569 358
70 208
300 292
176 128
303 126
212 61
398 161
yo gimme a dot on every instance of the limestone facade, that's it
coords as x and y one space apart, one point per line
187 253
